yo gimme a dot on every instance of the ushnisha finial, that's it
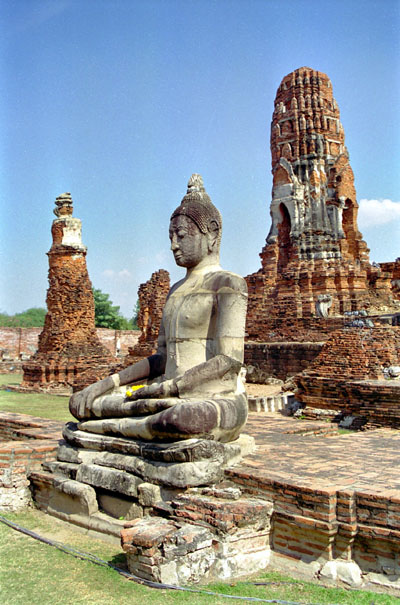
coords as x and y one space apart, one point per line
195 183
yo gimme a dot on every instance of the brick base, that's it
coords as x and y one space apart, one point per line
29 442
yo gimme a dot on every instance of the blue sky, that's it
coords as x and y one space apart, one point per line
120 101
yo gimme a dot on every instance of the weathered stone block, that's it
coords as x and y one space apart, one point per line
107 478
118 507
149 494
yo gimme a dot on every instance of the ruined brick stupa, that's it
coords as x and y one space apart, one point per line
68 345
315 258
152 296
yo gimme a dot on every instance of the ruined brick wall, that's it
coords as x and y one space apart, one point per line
292 329
328 523
358 353
152 296
393 269
280 360
111 338
348 376
18 460
26 442
24 341
314 246
19 341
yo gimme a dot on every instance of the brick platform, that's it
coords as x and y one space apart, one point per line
291 451
25 443
336 499
331 502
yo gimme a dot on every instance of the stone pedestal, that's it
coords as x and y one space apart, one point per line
178 519
208 534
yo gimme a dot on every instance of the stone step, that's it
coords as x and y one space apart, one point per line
271 403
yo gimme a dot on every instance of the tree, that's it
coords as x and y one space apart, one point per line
106 314
134 320
31 318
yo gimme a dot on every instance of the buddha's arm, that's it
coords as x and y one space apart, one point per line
80 403
231 320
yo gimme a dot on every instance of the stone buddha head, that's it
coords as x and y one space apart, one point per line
195 227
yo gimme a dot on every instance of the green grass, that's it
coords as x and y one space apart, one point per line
10 379
33 572
42 405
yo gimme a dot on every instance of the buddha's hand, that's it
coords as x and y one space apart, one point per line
80 403
167 388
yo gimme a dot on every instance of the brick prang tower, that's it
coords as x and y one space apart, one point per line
314 247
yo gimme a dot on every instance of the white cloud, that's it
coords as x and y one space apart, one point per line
155 258
377 212
109 273
122 275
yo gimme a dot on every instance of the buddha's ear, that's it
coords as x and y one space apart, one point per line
213 234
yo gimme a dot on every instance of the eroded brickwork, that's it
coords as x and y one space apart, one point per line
278 359
394 271
152 296
26 442
68 344
314 246
348 376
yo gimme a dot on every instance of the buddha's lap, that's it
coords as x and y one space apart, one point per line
189 416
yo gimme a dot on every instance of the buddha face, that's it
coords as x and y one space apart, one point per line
188 244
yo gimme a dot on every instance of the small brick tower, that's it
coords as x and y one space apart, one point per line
68 344
152 296
314 257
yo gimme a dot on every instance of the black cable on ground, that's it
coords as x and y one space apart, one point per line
97 561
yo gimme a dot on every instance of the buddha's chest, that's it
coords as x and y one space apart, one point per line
190 315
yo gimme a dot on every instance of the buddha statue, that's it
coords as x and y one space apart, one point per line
194 385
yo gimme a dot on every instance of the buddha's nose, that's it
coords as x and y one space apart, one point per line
174 243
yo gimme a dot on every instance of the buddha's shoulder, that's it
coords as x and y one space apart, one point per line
218 280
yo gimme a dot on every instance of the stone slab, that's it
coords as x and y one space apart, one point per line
108 478
189 450
173 474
